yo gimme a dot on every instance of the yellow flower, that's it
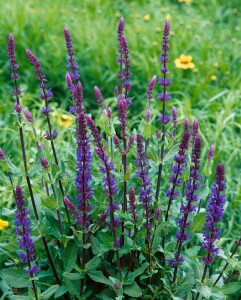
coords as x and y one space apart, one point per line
3 224
168 17
65 121
138 30
184 62
213 78
146 17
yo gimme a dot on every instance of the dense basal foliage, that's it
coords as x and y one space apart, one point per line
130 213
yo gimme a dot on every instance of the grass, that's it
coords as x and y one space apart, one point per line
209 31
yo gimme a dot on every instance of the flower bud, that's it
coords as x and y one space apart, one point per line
44 163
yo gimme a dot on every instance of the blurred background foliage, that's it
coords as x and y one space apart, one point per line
209 31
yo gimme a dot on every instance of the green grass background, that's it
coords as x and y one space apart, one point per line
210 31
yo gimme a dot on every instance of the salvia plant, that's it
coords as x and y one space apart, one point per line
135 212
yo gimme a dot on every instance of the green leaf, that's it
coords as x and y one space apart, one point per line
193 251
185 286
69 256
171 153
203 192
36 167
133 290
149 130
98 276
73 276
61 290
49 202
136 273
205 291
13 169
16 278
231 288
198 222
73 286
49 292
152 154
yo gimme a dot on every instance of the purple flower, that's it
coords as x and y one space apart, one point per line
99 96
191 188
44 162
72 208
124 59
23 230
158 214
45 111
214 215
120 29
18 108
211 153
174 117
133 205
107 167
178 169
164 81
2 154
166 119
83 177
70 85
122 113
28 116
51 137
148 114
109 112
146 189
195 129
72 64
151 84
12 57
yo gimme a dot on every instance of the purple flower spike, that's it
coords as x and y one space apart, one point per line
191 188
109 112
211 153
69 83
177 170
146 189
109 180
214 215
158 214
28 116
23 230
72 208
133 205
122 113
99 96
72 64
11 56
151 84
2 154
116 91
120 29
195 129
83 178
174 117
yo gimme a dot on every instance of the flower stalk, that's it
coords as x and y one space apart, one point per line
164 97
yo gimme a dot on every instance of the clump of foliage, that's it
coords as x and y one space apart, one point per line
130 213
